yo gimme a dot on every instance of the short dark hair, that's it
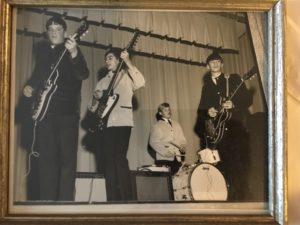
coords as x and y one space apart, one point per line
56 20
213 56
115 51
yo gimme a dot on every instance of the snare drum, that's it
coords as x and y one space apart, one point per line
199 182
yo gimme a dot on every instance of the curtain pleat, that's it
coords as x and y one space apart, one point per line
258 28
24 62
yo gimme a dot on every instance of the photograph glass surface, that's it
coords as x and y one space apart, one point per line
172 50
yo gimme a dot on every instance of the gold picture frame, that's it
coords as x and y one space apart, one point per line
277 209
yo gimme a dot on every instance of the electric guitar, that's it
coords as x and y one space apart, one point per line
98 119
45 93
215 127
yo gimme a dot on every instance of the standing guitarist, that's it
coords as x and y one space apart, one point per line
114 138
232 144
57 133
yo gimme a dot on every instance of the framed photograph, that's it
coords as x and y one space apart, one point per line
142 112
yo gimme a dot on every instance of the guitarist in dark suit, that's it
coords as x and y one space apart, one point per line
57 133
114 138
232 141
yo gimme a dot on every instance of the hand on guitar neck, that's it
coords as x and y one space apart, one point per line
125 57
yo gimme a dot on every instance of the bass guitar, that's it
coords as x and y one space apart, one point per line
215 127
98 119
45 93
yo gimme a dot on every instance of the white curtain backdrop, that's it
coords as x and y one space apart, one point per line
177 83
258 28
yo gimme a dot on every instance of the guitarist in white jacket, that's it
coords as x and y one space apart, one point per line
114 137
167 139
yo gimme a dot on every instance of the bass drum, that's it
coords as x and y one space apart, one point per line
199 182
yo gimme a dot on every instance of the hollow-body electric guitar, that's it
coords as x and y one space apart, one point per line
215 127
45 93
98 120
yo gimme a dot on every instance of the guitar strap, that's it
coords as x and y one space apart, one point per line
227 85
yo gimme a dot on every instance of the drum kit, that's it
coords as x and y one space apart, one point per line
200 181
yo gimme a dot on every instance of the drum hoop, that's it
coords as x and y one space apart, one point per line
190 177
189 180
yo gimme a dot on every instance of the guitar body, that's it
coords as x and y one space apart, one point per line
99 119
215 127
41 103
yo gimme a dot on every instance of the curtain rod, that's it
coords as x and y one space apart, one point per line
133 52
144 33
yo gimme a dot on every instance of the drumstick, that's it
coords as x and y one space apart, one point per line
177 146
179 154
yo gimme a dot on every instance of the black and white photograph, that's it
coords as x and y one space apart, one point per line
139 109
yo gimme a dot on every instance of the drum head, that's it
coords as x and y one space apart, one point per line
207 183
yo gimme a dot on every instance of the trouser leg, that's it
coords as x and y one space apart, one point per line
116 168
48 159
68 139
122 166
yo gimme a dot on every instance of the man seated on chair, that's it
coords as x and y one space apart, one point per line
167 139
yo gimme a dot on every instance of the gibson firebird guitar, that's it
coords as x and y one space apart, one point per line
44 94
215 127
98 120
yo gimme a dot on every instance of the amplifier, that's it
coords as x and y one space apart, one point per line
152 186
90 187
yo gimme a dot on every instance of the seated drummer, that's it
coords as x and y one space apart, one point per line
167 139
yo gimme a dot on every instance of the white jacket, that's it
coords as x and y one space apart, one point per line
128 81
162 135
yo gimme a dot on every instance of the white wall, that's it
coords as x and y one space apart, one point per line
293 112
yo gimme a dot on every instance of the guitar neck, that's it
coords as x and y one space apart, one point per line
232 95
114 78
57 64
235 91
119 67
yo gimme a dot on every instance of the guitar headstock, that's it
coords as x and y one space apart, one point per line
81 31
252 72
133 40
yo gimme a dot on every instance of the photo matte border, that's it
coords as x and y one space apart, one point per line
276 107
